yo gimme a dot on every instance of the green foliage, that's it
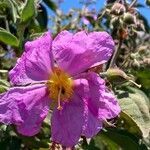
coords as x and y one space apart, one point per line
144 77
11 140
132 127
23 20
4 85
135 110
8 38
28 11
114 139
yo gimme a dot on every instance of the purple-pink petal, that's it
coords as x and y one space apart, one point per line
77 52
25 107
103 103
92 124
76 118
36 62
85 112
91 103
66 125
109 106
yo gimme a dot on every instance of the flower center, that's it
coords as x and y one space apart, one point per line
60 86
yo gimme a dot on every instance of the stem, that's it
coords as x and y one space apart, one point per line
116 53
20 34
138 85
133 3
7 24
101 16
125 60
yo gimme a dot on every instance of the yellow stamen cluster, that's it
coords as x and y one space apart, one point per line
60 85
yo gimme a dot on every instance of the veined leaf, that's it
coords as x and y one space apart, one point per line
127 122
8 38
4 85
3 88
28 11
135 104
4 82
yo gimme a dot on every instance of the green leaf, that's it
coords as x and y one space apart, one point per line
42 17
28 11
4 82
125 121
4 85
135 105
11 143
9 8
8 38
12 10
3 88
144 77
115 139
41 140
104 142
35 142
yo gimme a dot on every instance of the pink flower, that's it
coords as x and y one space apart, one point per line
54 72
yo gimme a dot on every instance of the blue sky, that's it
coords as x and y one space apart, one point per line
100 3
68 4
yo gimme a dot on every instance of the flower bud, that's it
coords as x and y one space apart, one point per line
116 72
118 9
129 18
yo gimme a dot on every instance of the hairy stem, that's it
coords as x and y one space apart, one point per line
133 3
115 55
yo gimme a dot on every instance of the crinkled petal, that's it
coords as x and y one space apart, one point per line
25 107
66 125
103 103
109 106
76 118
92 124
77 52
35 63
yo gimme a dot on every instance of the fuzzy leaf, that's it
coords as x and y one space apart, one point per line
135 105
